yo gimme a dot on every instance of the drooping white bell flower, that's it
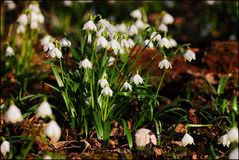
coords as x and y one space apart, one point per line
224 140
111 61
67 3
64 42
13 114
45 40
86 64
127 86
140 24
233 134
55 52
136 14
136 79
10 5
34 25
173 43
187 139
234 154
22 19
167 19
131 42
163 27
44 110
103 83
114 44
90 25
89 38
5 147
164 64
53 131
107 91
189 55
121 28
144 137
125 43
149 43
133 30
34 7
48 46
101 42
9 51
164 42
21 28
155 36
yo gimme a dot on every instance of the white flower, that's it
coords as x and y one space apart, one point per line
44 110
89 26
233 154
149 43
127 86
106 24
164 64
53 131
45 40
67 3
48 46
5 147
41 18
101 43
189 55
144 137
86 64
34 25
167 19
163 27
125 43
133 30
233 134
9 52
155 36
13 114
173 43
224 140
65 42
136 79
10 5
55 52
114 44
187 139
121 27
164 42
136 14
131 42
22 19
103 83
140 24
89 38
107 91
21 28
34 8
111 61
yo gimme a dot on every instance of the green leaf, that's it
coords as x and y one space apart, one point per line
56 73
127 133
75 54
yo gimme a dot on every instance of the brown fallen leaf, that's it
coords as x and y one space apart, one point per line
158 151
210 77
192 116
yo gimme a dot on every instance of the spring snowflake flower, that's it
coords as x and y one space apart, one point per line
10 5
44 110
9 52
167 19
89 38
149 43
86 64
34 8
55 52
107 91
114 44
163 27
125 43
36 17
164 64
101 43
224 140
67 3
234 154
21 28
45 40
89 26
5 147
65 42
131 42
189 55
127 86
13 114
233 134
164 42
103 83
22 19
133 30
136 14
155 36
53 131
48 46
144 136
121 28
173 43
187 139
111 61
140 24
136 79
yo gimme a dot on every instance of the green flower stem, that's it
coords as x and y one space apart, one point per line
160 83
62 73
196 125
